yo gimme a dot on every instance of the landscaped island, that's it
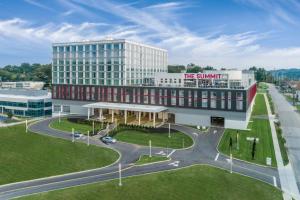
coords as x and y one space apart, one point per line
26 156
192 183
259 128
159 136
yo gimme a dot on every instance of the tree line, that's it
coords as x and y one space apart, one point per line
26 72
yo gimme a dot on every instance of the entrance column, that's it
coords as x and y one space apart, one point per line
149 116
125 116
88 113
154 115
112 116
139 118
101 114
163 116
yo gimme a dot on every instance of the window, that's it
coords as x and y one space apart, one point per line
195 98
239 101
204 99
181 97
173 97
222 100
145 96
213 99
229 101
152 97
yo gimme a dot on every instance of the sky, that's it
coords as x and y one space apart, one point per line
221 33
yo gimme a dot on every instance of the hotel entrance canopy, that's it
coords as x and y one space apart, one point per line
128 107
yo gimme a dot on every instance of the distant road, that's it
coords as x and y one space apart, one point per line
290 123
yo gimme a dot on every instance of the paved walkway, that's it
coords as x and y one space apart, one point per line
286 173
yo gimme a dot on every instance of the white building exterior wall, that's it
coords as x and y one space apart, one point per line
131 62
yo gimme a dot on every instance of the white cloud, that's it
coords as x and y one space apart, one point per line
184 46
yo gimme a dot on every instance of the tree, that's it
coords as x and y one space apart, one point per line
253 148
9 115
230 143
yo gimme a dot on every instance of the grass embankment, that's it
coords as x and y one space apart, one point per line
158 137
80 125
282 142
262 87
259 128
146 159
197 182
271 104
26 156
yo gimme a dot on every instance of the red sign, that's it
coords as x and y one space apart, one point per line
202 76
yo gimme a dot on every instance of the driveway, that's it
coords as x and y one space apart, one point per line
204 151
290 123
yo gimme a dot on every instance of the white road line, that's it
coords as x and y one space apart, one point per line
171 153
217 156
274 180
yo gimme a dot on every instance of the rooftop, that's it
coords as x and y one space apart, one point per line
125 106
24 93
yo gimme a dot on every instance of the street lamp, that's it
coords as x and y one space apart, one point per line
150 153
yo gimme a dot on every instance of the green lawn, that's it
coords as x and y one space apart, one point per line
178 140
26 156
260 128
281 142
260 107
193 183
262 87
145 159
66 125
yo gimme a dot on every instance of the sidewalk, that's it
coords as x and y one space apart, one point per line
286 173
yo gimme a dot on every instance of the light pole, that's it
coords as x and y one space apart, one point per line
120 175
237 141
88 139
73 135
231 163
150 153
169 130
93 127
59 116
26 126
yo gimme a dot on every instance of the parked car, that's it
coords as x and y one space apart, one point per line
108 140
77 135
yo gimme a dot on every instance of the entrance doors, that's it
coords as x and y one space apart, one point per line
217 121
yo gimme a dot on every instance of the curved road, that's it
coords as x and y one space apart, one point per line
204 151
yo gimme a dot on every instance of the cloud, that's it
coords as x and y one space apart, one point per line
277 9
37 4
143 25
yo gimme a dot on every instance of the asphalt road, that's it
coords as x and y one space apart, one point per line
290 123
204 151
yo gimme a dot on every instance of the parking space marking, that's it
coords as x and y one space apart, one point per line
274 180
175 163
217 156
161 153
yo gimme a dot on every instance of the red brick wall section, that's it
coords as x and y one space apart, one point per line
251 93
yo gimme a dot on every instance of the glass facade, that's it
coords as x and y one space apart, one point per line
113 62
29 109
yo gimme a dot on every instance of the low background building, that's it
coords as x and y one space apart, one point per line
27 103
35 85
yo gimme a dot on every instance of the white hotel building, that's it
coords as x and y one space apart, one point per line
127 78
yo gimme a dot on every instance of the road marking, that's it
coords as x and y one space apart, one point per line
217 156
161 153
195 134
171 153
274 180
175 163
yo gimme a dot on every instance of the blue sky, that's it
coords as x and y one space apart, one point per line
223 33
